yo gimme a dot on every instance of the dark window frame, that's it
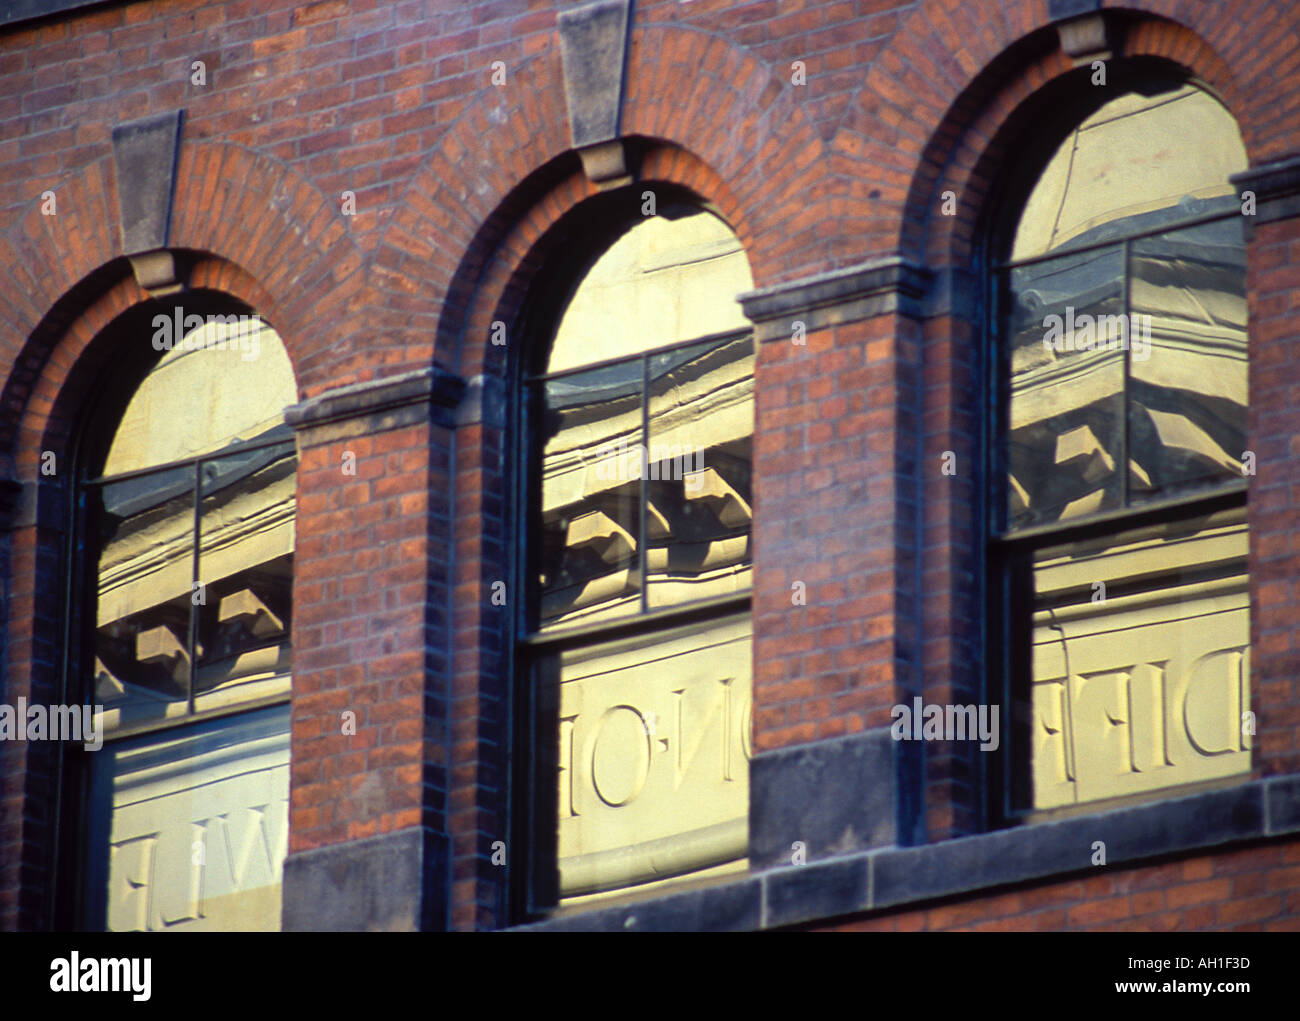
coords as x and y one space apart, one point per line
125 365
531 662
1006 572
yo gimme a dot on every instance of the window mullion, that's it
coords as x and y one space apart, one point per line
644 557
1124 436
194 585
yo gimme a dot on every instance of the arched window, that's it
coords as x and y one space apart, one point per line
186 510
1118 487
635 643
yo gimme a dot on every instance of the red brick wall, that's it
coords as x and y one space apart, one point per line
1274 422
457 182
364 570
1252 889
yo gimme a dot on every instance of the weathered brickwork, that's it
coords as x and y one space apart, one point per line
826 133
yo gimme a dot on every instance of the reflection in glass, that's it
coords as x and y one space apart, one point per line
221 384
698 516
174 634
145 572
1145 688
645 418
669 279
591 521
193 601
220 785
654 747
1139 646
1187 411
1067 387
1127 361
246 565
1138 161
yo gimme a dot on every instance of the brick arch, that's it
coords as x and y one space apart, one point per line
508 159
47 257
480 532
43 400
57 371
52 395
264 232
976 108
501 287
458 255
967 79
276 235
64 280
971 165
42 395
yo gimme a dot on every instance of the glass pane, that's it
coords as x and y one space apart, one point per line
226 378
1141 661
145 573
1066 420
1137 162
192 827
1187 411
654 749
699 460
591 493
671 278
246 569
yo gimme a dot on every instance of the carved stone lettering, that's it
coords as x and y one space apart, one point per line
654 746
1145 690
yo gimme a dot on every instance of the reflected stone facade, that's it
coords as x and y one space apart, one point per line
646 421
194 612
1127 346
1148 687
502 465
